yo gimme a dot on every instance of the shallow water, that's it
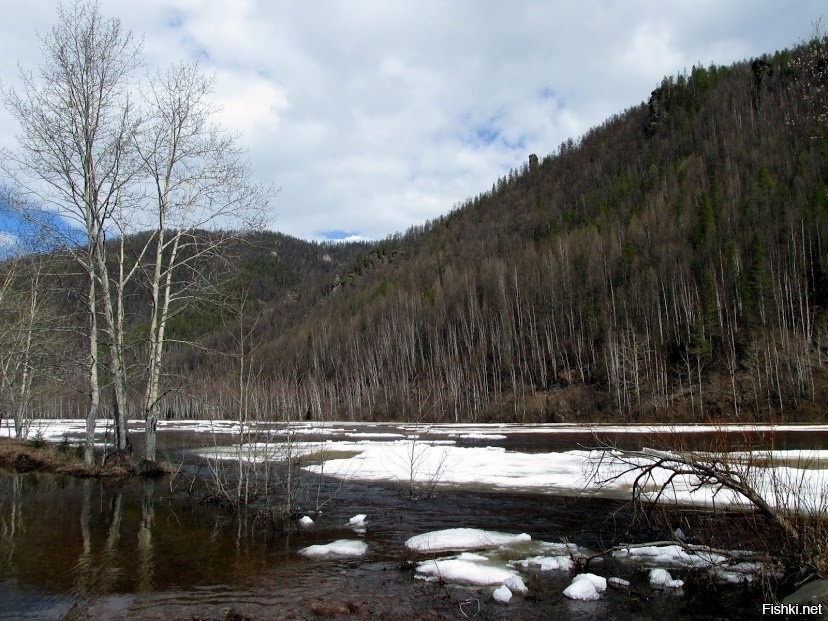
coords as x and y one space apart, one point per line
86 549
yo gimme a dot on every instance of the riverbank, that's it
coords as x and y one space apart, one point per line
37 455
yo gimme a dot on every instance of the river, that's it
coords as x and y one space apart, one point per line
152 549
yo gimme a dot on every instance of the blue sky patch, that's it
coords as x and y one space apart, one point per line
37 230
338 234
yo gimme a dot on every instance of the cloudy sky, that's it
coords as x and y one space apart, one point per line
371 116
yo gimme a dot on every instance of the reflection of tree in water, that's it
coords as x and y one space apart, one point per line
146 557
11 520
99 568
97 573
85 568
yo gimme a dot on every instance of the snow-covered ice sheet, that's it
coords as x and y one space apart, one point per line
577 472
426 454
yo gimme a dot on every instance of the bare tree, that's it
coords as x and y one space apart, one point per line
199 182
85 151
794 509
23 318
74 155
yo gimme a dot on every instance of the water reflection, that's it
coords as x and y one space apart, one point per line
11 519
90 537
97 570
146 560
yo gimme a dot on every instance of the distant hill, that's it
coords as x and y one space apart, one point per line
671 264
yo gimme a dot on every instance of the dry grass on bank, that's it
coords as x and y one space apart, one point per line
38 456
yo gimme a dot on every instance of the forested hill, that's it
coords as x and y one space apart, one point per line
668 265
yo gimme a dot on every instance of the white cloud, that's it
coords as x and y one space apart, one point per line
372 115
8 241
248 103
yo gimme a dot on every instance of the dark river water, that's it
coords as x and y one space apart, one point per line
153 549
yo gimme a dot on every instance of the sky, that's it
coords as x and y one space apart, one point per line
370 116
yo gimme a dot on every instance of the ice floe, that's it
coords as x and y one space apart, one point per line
516 585
661 579
548 563
341 547
672 556
464 570
462 539
618 582
731 566
586 587
502 594
306 521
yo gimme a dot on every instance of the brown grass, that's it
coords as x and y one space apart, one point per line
28 456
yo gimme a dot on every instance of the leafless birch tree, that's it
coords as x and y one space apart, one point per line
87 151
199 183
74 153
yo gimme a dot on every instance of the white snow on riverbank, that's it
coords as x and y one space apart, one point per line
493 431
426 455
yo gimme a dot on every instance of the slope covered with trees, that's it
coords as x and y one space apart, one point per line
668 265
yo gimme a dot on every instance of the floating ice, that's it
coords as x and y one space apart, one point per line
462 539
502 594
548 563
357 520
586 587
740 572
341 547
673 556
306 522
661 579
516 585
464 571
619 582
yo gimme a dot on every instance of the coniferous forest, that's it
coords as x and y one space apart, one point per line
668 265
